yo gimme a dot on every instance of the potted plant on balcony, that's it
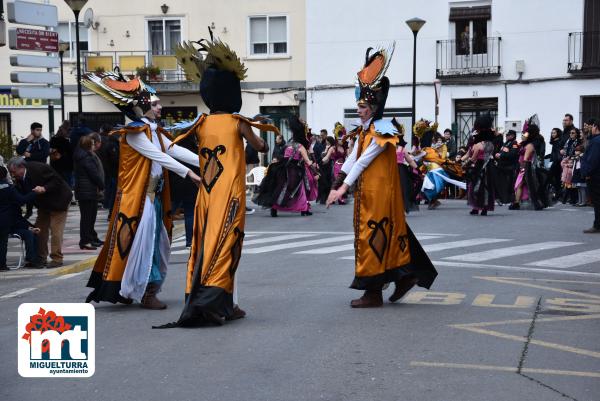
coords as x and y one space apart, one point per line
99 70
148 73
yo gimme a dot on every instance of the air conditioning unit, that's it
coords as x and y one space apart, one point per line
515 125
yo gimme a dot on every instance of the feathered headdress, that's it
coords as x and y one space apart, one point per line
218 70
422 126
372 85
132 96
533 120
338 130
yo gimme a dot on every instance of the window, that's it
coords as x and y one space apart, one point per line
471 27
268 36
66 33
163 35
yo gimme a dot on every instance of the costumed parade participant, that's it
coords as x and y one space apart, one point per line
386 250
480 188
438 168
290 184
507 162
132 264
407 169
219 219
531 180
337 154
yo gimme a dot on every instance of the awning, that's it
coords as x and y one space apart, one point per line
470 13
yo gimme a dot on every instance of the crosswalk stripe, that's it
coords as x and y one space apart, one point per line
442 246
277 238
510 251
299 244
17 293
329 249
567 261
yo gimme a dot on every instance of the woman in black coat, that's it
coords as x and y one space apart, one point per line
89 182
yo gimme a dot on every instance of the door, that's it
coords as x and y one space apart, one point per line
590 108
280 116
467 110
591 34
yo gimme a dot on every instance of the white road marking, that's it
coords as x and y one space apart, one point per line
299 244
181 252
567 261
512 268
66 276
442 246
278 238
349 247
329 249
17 293
510 251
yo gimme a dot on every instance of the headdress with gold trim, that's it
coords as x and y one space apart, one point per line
422 126
339 130
132 96
218 70
372 85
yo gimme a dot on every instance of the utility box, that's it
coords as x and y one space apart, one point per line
515 125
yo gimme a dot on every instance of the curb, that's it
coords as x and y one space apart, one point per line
88 263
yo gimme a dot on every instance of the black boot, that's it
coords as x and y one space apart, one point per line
273 212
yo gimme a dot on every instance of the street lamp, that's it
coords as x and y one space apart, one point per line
76 6
415 25
62 48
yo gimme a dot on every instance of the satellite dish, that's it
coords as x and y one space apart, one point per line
88 18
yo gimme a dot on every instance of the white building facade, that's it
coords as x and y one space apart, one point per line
268 36
513 58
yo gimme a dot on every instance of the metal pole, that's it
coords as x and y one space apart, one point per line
62 87
79 106
414 83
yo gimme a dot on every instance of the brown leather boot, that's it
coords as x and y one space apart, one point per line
238 313
370 299
149 300
402 287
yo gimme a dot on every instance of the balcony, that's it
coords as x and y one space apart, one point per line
170 79
584 52
468 58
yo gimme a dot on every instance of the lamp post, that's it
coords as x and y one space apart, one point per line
62 48
437 86
415 25
76 6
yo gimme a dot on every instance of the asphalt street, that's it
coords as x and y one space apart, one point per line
514 314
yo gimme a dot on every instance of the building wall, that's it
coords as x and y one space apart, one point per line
535 31
267 78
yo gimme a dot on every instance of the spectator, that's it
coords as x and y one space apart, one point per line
34 148
61 155
567 127
555 157
89 182
450 143
52 204
12 221
590 169
109 156
578 180
77 132
278 149
571 143
319 147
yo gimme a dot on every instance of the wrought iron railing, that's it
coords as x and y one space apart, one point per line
584 51
469 57
129 62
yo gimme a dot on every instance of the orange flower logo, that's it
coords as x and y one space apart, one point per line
44 321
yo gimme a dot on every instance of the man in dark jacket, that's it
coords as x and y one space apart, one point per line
34 148
507 163
61 154
590 168
109 156
52 204
11 220
567 124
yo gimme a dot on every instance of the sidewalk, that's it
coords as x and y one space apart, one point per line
75 259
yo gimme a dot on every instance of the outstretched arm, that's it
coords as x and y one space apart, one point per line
142 144
253 140
180 153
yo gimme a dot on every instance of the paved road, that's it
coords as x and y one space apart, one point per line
514 314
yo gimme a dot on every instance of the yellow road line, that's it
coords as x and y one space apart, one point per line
509 369
541 279
560 290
